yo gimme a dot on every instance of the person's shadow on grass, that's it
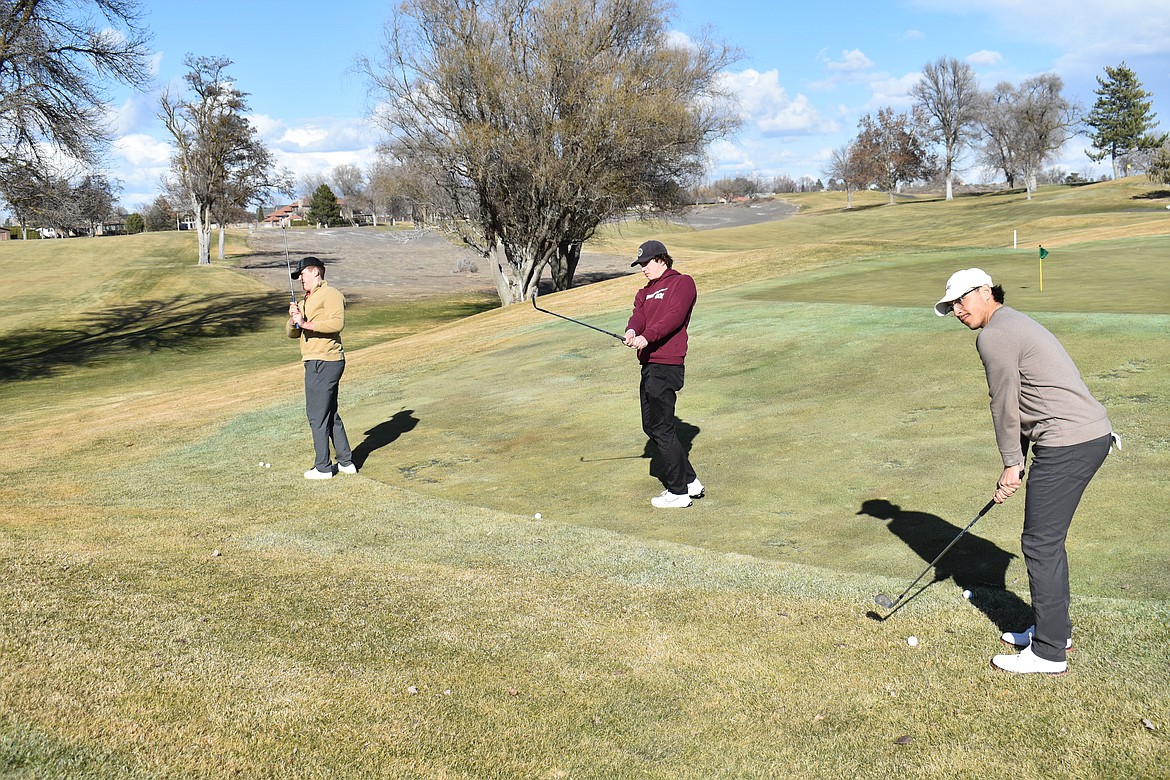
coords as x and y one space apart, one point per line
974 563
384 433
686 435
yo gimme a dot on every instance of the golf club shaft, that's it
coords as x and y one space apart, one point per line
288 264
578 322
946 549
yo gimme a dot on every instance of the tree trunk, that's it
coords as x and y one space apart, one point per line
203 228
564 265
221 232
950 189
848 197
516 272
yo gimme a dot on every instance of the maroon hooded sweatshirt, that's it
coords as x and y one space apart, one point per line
662 311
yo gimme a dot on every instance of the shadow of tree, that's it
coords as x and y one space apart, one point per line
383 434
686 436
974 563
146 326
263 259
1152 195
545 286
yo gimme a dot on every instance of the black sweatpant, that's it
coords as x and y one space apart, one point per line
657 392
1055 485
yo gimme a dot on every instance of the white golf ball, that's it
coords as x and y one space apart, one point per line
267 465
966 594
260 464
912 641
537 515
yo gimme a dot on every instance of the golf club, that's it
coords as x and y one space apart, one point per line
885 602
570 319
292 293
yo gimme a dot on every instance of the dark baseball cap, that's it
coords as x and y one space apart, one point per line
305 263
648 251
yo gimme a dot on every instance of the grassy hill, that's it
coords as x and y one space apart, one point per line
170 609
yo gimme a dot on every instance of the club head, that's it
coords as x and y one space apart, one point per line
883 601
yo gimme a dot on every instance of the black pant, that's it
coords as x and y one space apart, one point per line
657 393
1057 480
322 378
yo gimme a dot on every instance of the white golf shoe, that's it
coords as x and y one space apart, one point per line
696 489
314 474
1023 638
1027 662
344 469
670 500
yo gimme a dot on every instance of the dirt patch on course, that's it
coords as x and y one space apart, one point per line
371 264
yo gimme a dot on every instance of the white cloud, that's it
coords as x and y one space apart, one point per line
851 61
141 150
767 107
316 135
985 57
136 114
680 40
914 35
893 91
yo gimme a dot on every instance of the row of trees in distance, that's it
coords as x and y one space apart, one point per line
1013 129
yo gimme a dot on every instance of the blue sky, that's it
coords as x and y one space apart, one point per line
809 71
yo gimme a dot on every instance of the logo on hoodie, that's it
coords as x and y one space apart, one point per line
657 295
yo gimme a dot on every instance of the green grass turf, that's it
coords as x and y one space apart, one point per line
418 621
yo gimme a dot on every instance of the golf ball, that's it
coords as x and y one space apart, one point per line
966 594
537 515
267 465
912 641
260 464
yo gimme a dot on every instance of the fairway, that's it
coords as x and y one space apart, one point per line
171 609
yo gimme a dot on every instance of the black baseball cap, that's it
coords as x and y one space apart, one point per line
648 251
305 263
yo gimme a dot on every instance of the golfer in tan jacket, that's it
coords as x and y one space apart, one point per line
317 322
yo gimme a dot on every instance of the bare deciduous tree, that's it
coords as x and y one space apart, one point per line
219 158
949 97
55 56
845 165
536 121
1025 126
350 182
94 199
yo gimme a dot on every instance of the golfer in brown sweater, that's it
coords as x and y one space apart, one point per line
1037 398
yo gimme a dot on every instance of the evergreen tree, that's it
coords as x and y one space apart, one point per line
135 223
323 207
1121 118
1159 170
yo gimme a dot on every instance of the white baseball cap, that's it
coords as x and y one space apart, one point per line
961 283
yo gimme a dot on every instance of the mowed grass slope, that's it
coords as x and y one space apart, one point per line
417 621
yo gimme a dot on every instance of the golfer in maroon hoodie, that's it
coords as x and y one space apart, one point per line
658 330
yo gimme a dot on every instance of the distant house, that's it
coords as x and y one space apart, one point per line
113 225
4 234
284 215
